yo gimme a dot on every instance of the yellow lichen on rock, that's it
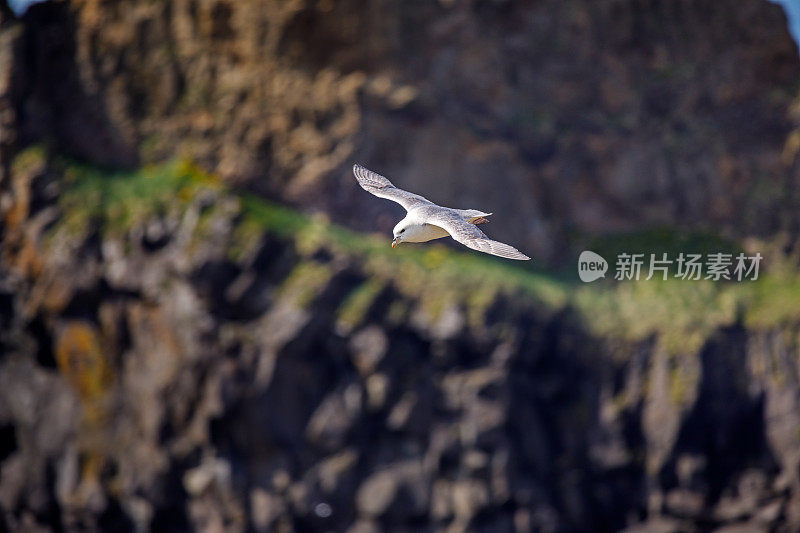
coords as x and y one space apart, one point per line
81 360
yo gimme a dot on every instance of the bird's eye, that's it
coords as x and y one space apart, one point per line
402 230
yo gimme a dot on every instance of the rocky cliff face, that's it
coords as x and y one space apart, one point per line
177 353
595 116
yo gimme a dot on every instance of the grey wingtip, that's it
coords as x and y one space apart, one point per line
509 252
519 256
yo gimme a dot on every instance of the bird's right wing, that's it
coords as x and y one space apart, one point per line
383 188
470 236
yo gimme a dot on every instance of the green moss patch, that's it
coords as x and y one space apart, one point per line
357 304
119 200
681 314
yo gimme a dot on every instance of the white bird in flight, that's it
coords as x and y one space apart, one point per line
426 221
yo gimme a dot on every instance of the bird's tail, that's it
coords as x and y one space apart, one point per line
473 216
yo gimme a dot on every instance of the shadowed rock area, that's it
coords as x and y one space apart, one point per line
176 356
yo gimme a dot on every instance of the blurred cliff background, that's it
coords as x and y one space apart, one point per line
202 325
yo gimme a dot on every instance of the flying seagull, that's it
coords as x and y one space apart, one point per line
426 221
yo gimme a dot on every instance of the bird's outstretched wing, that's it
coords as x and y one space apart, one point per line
383 188
470 236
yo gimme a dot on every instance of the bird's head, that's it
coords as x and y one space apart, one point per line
399 232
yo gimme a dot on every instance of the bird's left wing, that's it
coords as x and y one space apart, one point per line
470 236
383 188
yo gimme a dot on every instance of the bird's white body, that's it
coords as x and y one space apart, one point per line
415 228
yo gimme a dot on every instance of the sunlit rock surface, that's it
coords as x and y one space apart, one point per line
571 118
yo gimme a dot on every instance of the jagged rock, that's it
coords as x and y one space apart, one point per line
658 525
769 514
402 411
364 526
332 471
442 499
200 478
335 416
469 498
684 503
377 493
369 347
738 528
266 509
377 389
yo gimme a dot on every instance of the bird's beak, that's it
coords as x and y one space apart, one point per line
395 242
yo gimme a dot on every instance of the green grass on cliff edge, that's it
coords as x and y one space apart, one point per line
680 314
